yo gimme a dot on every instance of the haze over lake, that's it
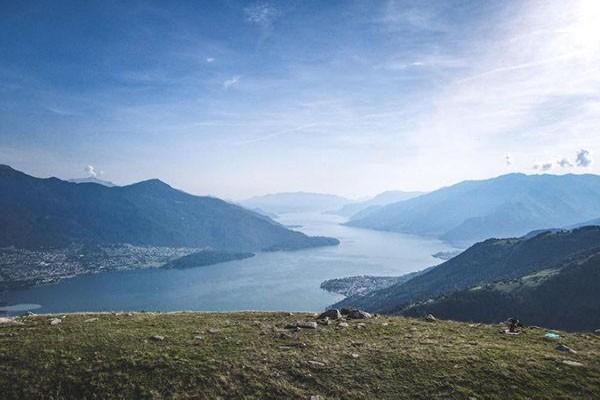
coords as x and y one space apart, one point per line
269 281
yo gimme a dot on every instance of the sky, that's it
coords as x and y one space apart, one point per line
236 99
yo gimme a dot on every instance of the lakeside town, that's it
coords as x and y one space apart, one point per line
28 267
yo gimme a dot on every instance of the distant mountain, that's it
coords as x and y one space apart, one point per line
280 203
361 209
564 296
506 206
595 221
54 213
482 264
91 179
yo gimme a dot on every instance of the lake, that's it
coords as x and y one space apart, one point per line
287 281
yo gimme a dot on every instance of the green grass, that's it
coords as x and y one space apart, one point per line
252 356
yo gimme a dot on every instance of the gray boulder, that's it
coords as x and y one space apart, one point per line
355 314
333 314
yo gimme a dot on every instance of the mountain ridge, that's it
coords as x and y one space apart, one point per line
483 263
505 206
51 212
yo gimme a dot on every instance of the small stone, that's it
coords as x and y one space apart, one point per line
55 321
10 322
198 338
572 363
157 338
213 331
385 324
343 324
333 314
362 325
316 397
565 349
354 355
91 320
317 364
306 324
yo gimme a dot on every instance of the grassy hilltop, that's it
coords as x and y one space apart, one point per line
252 355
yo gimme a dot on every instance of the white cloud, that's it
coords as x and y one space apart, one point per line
231 82
210 59
583 158
543 167
90 170
564 163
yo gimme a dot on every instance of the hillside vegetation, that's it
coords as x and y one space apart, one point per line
564 297
499 260
254 356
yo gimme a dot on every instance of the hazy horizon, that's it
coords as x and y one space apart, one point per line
238 99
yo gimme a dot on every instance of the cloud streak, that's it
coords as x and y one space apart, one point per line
233 81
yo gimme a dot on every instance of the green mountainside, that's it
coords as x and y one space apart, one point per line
563 297
498 260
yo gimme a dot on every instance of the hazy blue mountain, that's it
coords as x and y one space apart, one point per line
595 221
506 206
564 296
280 203
91 179
51 212
362 208
481 264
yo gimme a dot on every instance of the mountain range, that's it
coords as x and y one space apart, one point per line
280 203
361 209
469 285
51 212
506 206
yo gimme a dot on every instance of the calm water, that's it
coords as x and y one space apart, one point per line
269 281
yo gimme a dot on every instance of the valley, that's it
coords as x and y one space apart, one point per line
284 280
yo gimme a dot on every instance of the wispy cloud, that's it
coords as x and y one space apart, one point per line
273 135
564 163
261 14
543 167
233 81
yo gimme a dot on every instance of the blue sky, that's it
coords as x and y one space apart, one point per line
349 97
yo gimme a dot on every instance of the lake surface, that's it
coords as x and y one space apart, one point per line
287 281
